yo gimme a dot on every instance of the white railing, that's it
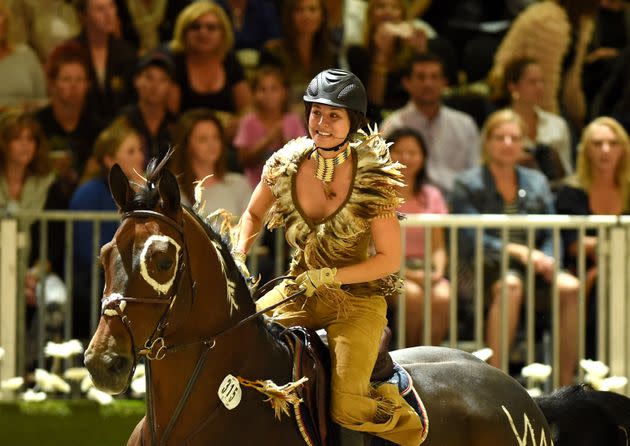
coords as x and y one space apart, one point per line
613 266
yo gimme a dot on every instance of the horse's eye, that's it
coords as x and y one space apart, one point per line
165 264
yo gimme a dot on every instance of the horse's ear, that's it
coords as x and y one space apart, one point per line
119 187
169 192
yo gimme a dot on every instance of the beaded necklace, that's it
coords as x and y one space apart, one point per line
326 166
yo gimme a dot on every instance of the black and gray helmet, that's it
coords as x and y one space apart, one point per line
338 88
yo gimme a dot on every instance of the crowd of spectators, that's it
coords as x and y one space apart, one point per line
88 83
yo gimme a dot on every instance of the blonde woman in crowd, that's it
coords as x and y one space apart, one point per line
501 186
601 186
207 72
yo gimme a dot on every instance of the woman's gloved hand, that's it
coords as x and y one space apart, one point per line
314 278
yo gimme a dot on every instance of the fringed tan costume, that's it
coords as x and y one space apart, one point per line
353 315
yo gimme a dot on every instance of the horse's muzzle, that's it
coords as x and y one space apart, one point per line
109 371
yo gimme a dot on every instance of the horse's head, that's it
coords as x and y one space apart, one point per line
169 281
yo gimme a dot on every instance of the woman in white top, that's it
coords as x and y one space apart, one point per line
523 92
200 155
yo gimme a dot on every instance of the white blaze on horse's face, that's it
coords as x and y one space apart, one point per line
159 261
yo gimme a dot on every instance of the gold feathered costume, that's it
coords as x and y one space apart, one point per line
354 315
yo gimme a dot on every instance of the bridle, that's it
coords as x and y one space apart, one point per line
155 347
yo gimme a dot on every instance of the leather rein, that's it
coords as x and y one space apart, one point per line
155 348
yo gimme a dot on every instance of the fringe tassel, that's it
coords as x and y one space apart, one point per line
278 396
385 407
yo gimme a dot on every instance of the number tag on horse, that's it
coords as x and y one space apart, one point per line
230 392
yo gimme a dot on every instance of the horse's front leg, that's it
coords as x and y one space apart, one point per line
136 436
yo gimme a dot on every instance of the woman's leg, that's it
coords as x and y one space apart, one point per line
493 322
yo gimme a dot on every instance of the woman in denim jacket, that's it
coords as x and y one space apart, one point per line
500 186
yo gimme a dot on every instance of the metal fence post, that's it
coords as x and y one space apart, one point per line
617 338
8 299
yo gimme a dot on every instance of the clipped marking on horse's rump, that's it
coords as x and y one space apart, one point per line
528 431
157 286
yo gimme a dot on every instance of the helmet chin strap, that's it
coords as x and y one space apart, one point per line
334 148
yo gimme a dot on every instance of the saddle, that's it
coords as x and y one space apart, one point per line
312 360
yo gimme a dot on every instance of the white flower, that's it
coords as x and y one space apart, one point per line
75 373
49 382
139 373
64 349
99 396
612 383
31 395
86 383
484 354
12 383
534 392
1 352
594 368
139 387
536 371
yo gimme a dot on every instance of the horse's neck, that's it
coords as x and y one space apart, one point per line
250 353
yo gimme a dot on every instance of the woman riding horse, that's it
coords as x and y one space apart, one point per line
335 195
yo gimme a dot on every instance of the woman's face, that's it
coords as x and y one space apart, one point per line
22 148
204 34
406 150
530 88
604 150
129 156
387 11
505 144
328 126
102 16
71 84
270 94
205 144
308 16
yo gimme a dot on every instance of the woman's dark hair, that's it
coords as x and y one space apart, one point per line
65 54
322 46
180 162
357 119
512 74
12 122
421 175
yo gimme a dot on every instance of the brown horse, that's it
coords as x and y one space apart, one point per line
174 295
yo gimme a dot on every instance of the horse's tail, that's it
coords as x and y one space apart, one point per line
580 415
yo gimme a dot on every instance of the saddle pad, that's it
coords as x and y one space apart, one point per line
403 380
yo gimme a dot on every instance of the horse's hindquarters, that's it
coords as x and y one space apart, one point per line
470 402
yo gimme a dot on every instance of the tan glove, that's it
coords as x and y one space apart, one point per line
314 278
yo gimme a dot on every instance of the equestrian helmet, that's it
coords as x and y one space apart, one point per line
337 88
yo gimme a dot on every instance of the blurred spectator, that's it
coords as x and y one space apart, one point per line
201 159
305 48
255 22
421 198
69 127
614 98
501 186
23 83
610 36
556 34
390 42
547 142
452 137
43 24
267 128
26 183
118 143
601 186
145 24
207 71
111 59
150 115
